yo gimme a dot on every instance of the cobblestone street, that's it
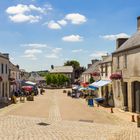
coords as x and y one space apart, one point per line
54 116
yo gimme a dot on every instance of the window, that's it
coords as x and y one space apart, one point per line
118 62
102 70
2 68
125 61
6 87
6 68
106 70
2 89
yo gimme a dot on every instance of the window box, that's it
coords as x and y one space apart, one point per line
116 76
95 74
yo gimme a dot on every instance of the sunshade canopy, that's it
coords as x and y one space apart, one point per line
30 83
100 83
27 88
88 88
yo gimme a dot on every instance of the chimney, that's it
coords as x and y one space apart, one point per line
6 55
120 41
104 57
94 61
89 65
138 23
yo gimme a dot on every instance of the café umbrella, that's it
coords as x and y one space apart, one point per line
27 88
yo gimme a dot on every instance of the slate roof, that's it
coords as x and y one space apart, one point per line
13 67
132 42
94 67
62 69
35 77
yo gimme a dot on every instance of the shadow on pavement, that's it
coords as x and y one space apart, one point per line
43 124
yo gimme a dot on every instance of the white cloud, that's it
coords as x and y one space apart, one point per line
53 25
56 50
51 56
55 53
21 9
114 37
22 13
35 45
31 53
72 38
98 54
34 8
76 51
62 22
76 18
24 18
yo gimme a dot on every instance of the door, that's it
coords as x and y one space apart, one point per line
125 94
137 96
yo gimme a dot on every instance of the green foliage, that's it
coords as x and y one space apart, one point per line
43 74
75 64
57 79
91 80
78 70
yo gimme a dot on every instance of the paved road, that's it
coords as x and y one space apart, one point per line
54 116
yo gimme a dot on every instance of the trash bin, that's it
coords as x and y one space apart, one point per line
90 102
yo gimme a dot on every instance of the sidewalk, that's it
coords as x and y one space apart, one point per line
123 115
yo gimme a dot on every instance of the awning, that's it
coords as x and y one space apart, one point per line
87 88
100 83
30 83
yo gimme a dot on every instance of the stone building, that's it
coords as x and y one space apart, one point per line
106 91
14 78
4 77
66 70
92 68
126 62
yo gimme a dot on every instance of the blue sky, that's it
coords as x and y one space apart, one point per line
39 33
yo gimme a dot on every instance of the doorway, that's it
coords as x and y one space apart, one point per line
125 95
136 97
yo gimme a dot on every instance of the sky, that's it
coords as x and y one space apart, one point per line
41 33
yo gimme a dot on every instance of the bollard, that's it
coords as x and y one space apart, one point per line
138 120
98 105
111 110
133 118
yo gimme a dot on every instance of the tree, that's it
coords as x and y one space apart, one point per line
75 64
48 79
56 79
78 70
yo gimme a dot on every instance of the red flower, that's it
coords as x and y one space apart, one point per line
95 74
116 76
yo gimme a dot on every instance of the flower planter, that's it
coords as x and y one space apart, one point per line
22 99
95 74
116 76
30 98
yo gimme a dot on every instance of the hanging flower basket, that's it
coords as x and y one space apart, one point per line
11 79
1 79
116 76
95 74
